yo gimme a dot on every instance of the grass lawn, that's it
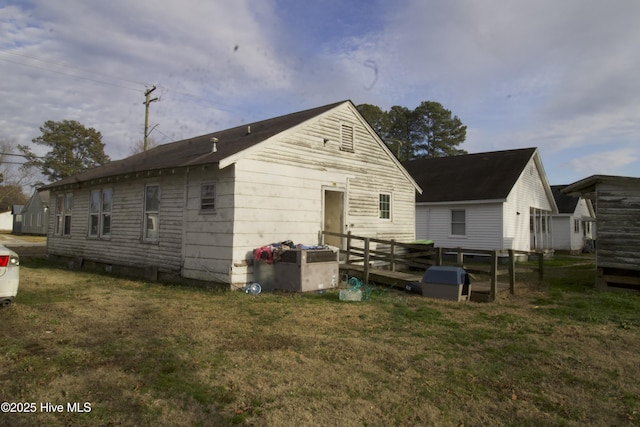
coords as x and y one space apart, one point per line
556 353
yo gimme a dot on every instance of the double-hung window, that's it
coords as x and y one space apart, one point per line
64 206
384 203
151 212
100 207
458 222
208 197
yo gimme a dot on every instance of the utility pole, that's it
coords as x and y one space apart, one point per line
147 95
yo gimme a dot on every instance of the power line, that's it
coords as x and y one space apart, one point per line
65 65
205 102
72 75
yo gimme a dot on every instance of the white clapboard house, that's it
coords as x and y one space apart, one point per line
494 200
573 225
197 208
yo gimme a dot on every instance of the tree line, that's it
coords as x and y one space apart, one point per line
427 131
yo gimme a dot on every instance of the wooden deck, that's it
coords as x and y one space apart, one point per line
361 259
395 279
480 290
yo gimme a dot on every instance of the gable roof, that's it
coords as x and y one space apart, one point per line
469 177
566 204
43 196
198 150
587 186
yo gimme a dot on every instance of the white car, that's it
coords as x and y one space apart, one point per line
9 275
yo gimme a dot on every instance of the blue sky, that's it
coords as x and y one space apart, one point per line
560 76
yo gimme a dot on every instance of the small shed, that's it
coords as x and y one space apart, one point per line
16 211
574 224
6 222
34 214
617 206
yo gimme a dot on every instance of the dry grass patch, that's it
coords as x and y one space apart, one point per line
149 354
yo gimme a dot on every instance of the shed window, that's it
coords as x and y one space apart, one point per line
208 197
385 206
346 138
100 206
458 222
64 206
151 212
576 226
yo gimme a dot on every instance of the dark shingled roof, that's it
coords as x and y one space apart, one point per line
197 151
481 176
566 204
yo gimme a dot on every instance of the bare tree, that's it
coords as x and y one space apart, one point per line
138 147
14 180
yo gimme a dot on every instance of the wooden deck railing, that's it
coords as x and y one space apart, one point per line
392 255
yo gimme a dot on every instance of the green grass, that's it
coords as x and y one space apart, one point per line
556 353
572 297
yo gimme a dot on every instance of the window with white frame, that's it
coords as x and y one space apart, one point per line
64 206
208 197
576 226
100 207
384 206
458 222
151 211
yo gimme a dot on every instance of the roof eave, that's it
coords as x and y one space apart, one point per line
462 202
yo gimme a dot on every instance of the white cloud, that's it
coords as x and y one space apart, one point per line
560 76
606 162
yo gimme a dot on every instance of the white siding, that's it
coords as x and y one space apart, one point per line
125 246
6 221
422 223
564 235
208 236
483 225
528 192
279 185
562 232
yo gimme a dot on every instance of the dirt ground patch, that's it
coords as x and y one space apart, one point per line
150 354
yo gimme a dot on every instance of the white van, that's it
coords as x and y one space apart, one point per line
9 275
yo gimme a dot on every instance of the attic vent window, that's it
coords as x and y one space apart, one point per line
346 138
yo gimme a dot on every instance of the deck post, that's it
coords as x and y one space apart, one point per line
493 293
348 247
512 272
393 255
365 272
438 255
460 257
540 265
